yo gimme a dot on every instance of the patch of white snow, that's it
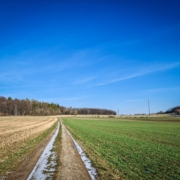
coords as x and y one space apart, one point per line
87 162
41 170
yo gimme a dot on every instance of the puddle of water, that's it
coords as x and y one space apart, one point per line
87 162
44 169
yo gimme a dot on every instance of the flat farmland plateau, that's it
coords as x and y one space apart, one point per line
130 148
19 135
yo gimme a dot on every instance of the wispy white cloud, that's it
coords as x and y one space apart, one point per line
116 80
16 67
143 71
12 76
82 81
10 87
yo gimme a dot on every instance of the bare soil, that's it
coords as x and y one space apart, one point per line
71 165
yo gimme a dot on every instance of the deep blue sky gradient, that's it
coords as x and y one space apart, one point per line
104 54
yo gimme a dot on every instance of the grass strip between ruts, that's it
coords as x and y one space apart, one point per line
57 149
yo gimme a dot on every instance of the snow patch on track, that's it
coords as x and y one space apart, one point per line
87 162
44 169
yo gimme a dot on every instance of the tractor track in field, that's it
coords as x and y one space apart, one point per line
24 169
71 166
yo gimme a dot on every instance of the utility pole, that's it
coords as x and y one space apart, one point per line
149 107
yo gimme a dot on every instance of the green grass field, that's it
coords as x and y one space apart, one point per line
130 149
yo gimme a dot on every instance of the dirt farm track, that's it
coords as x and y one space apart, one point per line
71 165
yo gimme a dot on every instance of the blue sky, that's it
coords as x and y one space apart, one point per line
102 54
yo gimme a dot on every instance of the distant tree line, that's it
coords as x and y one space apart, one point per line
140 114
84 111
9 106
175 110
